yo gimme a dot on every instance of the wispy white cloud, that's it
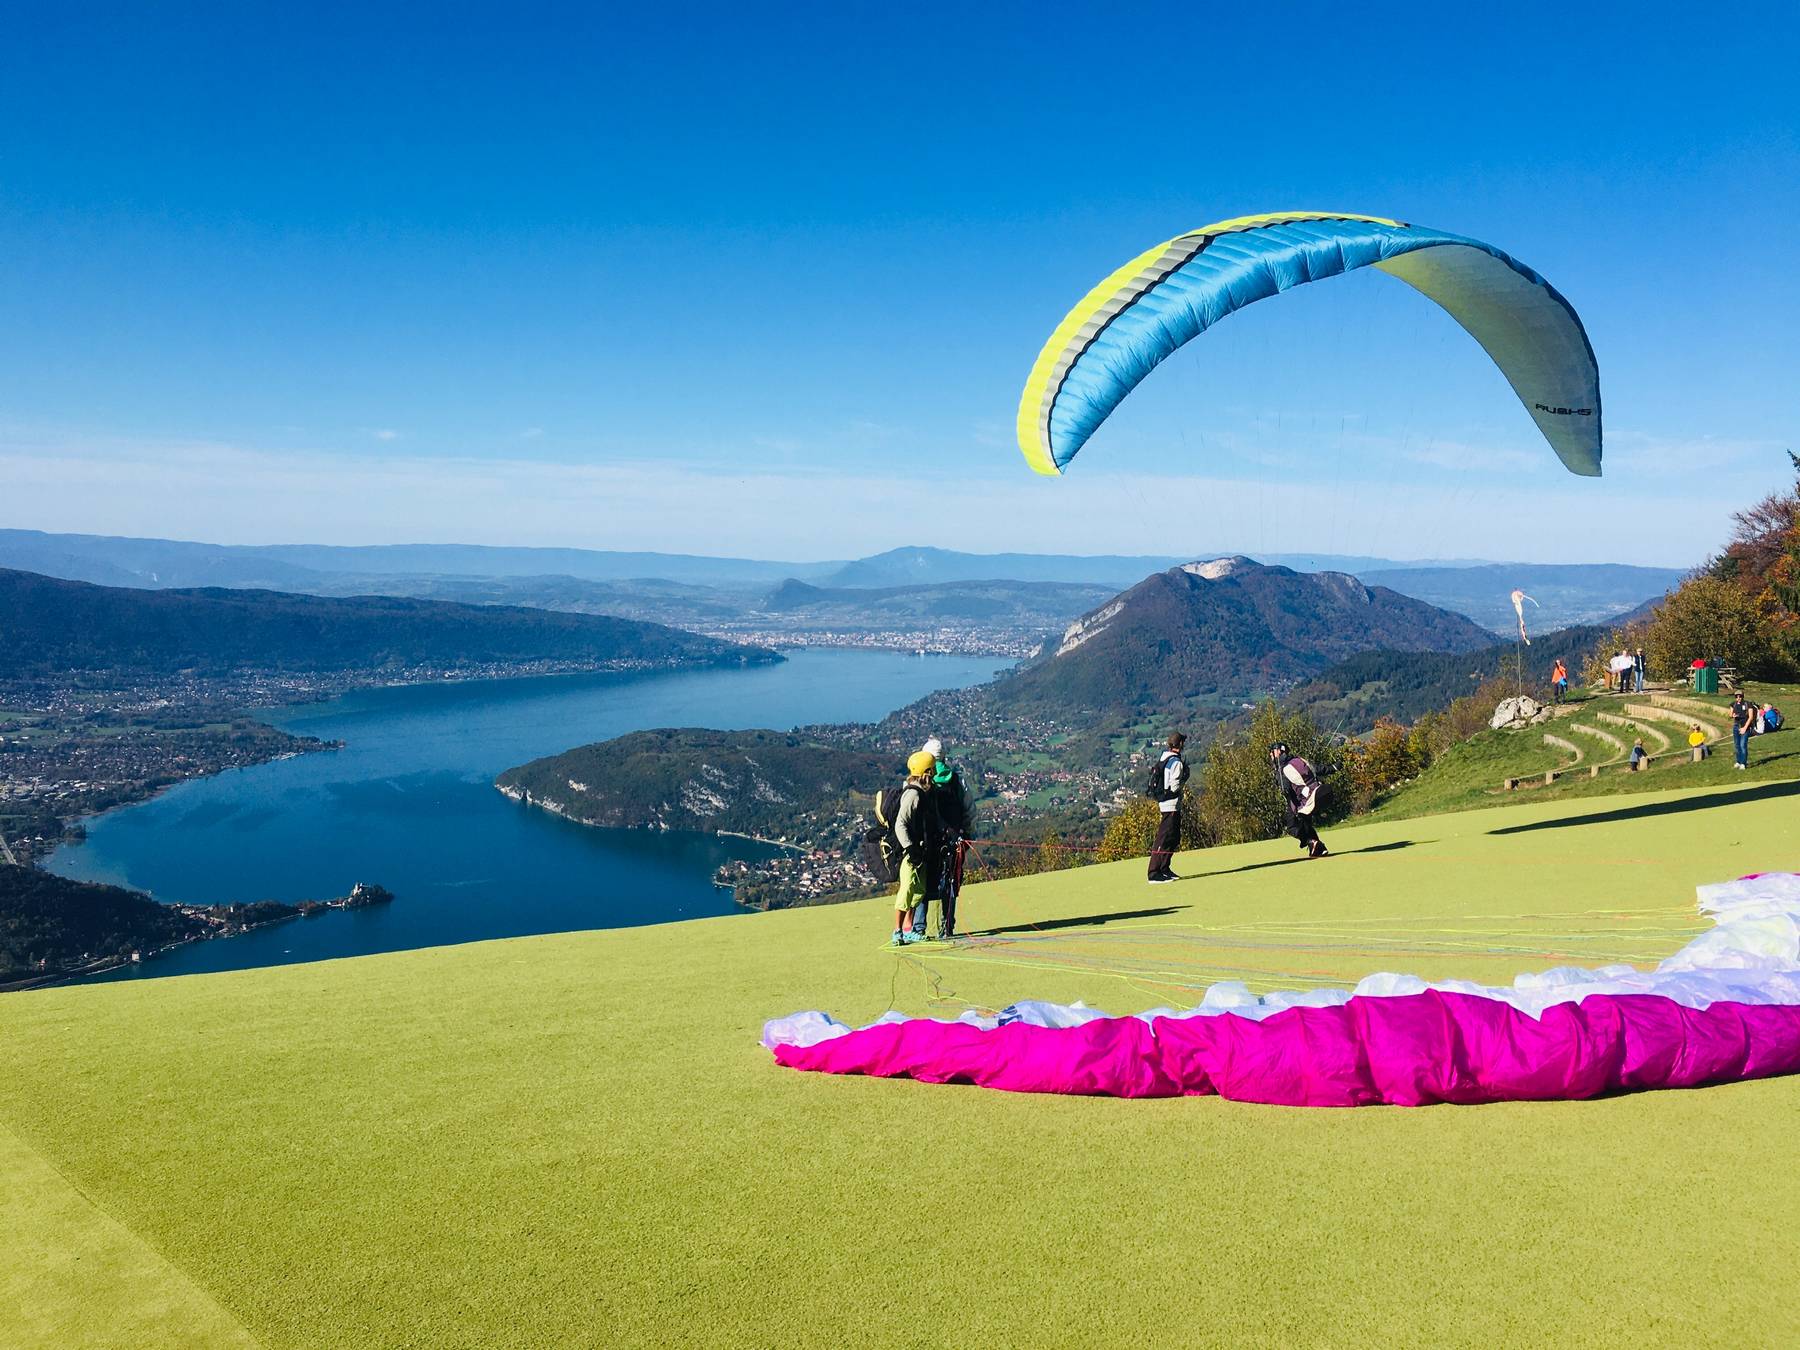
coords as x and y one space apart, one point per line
384 433
237 495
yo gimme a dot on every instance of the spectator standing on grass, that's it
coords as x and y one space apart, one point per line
1743 718
1637 669
1559 681
1169 779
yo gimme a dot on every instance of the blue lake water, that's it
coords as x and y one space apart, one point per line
409 803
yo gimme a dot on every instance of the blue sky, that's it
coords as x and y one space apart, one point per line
768 281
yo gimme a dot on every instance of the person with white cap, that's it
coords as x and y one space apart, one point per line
953 813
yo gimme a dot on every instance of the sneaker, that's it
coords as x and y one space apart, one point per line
899 937
1161 881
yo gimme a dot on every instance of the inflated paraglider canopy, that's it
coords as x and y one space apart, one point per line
1174 292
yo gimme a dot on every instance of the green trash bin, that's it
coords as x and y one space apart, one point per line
1706 680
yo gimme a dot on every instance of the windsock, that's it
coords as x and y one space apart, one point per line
1519 598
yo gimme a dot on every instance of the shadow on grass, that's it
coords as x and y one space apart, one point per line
1648 810
1283 862
1084 921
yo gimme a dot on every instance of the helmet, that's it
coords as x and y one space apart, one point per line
1278 750
920 764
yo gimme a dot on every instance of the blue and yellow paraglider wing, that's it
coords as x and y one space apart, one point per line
1128 324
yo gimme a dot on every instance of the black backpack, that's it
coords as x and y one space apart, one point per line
1154 789
881 849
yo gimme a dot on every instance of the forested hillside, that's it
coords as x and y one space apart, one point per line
765 783
51 626
48 918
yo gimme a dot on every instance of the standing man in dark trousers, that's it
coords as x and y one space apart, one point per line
1169 778
1743 718
954 808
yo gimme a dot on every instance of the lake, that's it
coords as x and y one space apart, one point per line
409 803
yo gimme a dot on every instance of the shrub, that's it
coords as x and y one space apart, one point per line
1132 829
1383 759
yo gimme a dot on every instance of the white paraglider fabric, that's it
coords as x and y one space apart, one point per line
1727 1005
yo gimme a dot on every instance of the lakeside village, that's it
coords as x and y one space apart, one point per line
1011 644
814 873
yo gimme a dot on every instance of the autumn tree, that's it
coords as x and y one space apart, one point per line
1712 618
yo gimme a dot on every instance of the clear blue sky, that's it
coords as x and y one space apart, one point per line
768 280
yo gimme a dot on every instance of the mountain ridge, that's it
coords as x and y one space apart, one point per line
57 626
1227 628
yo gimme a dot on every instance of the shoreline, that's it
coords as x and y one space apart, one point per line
260 713
109 964
524 798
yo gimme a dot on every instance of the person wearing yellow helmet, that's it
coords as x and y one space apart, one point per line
909 831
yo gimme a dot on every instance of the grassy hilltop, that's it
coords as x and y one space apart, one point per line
577 1140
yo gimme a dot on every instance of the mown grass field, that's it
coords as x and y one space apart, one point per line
577 1140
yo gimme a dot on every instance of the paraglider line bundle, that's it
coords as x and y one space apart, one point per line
1162 960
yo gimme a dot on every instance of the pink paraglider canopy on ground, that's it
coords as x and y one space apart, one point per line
1726 1007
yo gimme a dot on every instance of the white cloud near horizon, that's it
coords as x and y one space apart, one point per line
224 494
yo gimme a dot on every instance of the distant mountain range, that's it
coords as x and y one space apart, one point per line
51 626
717 593
117 561
1226 629
1045 604
1565 595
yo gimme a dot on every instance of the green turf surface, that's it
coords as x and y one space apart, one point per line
577 1140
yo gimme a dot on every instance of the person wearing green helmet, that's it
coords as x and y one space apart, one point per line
953 820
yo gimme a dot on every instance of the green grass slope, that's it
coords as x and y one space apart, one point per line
1470 775
577 1140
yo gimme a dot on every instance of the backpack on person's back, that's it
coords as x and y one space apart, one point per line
881 846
